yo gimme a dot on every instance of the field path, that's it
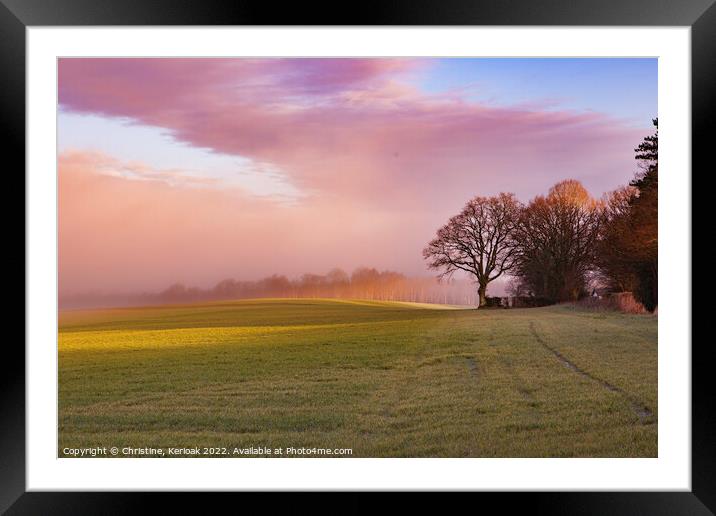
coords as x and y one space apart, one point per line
643 412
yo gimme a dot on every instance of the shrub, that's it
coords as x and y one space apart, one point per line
530 301
619 301
493 302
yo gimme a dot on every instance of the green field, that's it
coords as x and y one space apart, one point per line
384 379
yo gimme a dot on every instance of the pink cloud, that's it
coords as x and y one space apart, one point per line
352 127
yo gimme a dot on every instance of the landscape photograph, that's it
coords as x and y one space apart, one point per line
396 257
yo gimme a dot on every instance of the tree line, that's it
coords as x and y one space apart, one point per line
561 245
363 283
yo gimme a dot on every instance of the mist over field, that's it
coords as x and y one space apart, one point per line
363 283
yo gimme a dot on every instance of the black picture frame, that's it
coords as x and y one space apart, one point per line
17 15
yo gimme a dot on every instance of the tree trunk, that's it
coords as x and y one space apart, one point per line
483 297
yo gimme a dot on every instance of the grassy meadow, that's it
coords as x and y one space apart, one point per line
384 379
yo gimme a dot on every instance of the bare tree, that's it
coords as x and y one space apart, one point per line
477 241
555 242
615 247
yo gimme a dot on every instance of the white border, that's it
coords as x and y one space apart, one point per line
671 471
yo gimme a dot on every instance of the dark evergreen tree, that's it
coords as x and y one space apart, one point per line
628 246
644 220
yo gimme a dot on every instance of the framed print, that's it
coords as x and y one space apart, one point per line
416 250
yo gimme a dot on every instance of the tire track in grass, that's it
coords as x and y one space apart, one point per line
530 405
472 367
643 412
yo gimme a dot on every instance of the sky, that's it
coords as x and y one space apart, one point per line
196 170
